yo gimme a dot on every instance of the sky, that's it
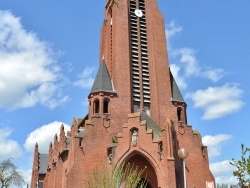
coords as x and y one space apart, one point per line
49 55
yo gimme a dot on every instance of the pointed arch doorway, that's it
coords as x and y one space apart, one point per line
149 174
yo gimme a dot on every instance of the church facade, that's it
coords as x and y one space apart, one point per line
136 112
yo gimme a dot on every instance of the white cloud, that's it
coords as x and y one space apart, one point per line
215 143
218 101
214 74
27 176
185 58
191 67
86 78
172 29
29 73
215 101
44 95
9 147
189 60
175 69
43 136
223 172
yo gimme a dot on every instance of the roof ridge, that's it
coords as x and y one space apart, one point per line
150 123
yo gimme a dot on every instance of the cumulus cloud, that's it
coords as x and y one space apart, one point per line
191 67
186 60
223 172
29 73
86 78
9 148
218 101
215 101
189 60
215 143
43 136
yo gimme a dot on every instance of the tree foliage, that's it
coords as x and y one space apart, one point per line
125 176
242 171
222 185
9 175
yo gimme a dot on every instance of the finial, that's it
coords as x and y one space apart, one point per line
62 128
103 57
55 138
36 146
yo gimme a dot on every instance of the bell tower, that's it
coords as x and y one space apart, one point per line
139 57
133 43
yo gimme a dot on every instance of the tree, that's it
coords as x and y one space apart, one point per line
242 171
9 175
125 176
222 185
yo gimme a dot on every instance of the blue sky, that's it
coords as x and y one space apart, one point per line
49 57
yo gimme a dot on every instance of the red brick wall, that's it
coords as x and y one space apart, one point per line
34 178
165 169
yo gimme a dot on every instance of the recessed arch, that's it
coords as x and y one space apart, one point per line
96 105
106 102
137 159
179 114
134 133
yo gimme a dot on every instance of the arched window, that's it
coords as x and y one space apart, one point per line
106 106
179 113
96 106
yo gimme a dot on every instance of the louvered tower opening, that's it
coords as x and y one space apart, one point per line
139 56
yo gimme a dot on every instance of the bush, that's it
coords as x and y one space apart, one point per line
126 176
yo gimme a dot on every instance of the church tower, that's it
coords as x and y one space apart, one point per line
133 44
136 115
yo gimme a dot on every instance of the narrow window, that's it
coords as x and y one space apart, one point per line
179 113
106 106
96 107
80 142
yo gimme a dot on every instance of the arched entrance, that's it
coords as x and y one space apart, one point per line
141 163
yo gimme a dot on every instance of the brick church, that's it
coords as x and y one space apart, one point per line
136 112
